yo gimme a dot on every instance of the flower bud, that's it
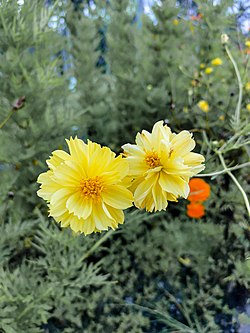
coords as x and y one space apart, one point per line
224 39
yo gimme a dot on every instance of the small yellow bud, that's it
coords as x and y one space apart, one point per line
222 117
203 105
202 66
175 22
27 242
248 106
208 70
194 83
217 62
247 86
247 43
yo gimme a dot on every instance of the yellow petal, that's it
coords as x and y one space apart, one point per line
88 226
102 221
79 206
182 143
144 188
160 199
193 159
134 150
69 174
58 157
48 186
143 140
174 184
117 196
117 215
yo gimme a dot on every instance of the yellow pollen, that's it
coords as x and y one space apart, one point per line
91 187
152 160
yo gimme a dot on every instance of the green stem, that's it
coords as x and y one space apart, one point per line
224 171
238 107
235 181
96 245
6 119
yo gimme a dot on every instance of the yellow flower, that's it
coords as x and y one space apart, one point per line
203 105
247 86
161 164
208 70
247 43
202 66
248 106
216 62
86 189
175 22
222 117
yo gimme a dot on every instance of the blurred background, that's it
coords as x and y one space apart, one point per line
105 70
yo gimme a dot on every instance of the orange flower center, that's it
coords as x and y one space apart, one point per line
152 159
91 187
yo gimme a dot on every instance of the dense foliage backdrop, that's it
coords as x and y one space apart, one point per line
104 70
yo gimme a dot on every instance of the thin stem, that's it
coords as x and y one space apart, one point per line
238 107
6 119
234 137
96 245
236 167
235 181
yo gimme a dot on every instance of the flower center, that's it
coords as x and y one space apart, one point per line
152 159
91 187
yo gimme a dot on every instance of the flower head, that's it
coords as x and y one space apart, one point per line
208 70
224 39
217 62
248 107
175 21
203 105
161 164
195 210
85 189
247 43
247 86
202 65
199 190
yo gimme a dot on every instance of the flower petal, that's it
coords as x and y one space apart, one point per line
79 206
117 196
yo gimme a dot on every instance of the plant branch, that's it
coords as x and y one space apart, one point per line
236 167
96 245
238 107
235 181
7 118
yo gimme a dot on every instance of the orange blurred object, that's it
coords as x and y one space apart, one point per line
199 190
195 210
196 17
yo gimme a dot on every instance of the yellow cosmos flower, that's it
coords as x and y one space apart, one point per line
86 188
203 105
247 43
161 164
248 106
208 70
217 62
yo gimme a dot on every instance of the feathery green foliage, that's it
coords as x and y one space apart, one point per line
162 272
